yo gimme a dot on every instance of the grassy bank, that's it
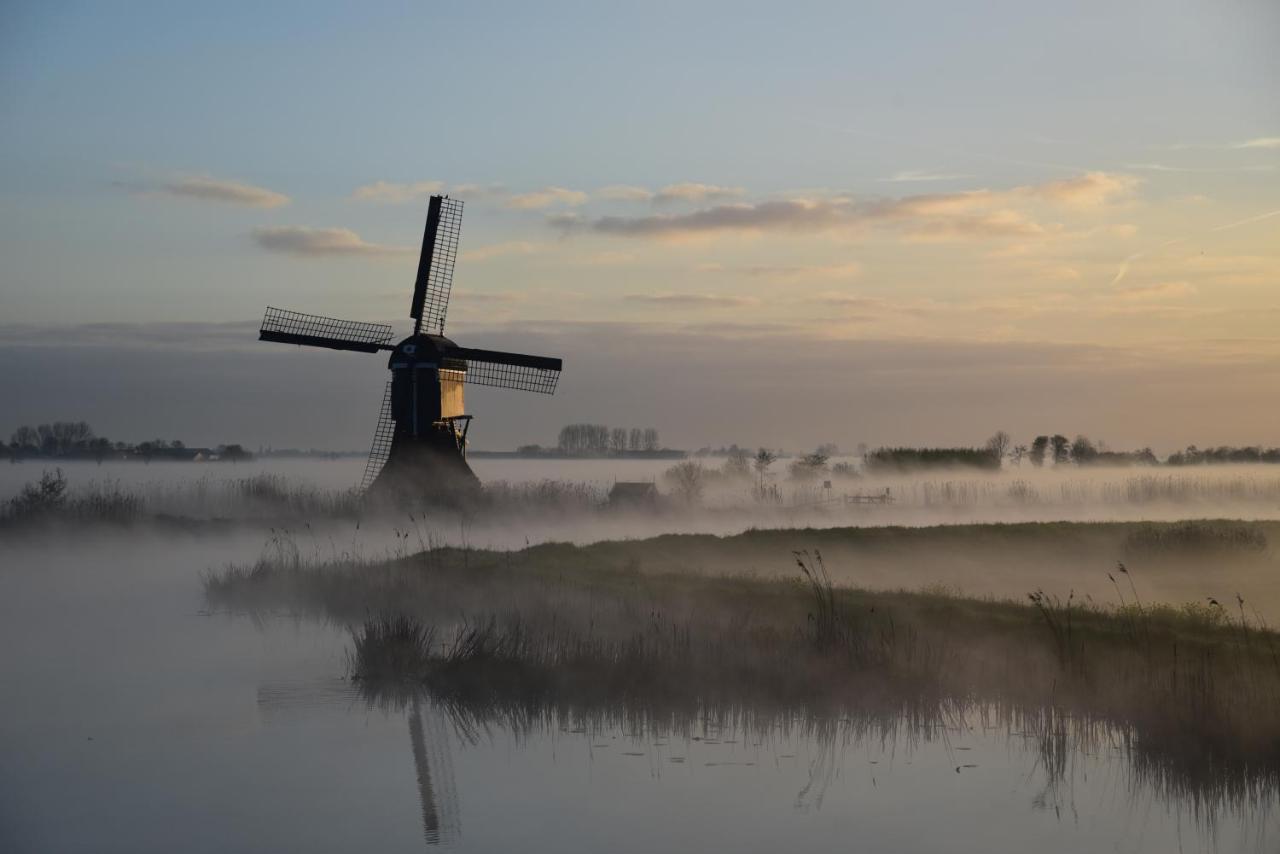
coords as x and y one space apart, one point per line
1189 692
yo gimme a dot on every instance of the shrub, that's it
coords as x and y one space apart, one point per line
41 498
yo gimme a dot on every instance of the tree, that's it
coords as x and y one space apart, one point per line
688 479
618 440
584 439
1038 448
25 439
1018 452
1083 451
999 444
635 441
651 438
48 444
37 499
738 463
100 447
764 458
809 466
1061 448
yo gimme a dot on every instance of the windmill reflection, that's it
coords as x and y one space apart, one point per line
437 793
428 741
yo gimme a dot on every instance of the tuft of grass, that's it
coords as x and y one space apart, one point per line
391 647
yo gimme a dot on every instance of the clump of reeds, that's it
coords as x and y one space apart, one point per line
392 647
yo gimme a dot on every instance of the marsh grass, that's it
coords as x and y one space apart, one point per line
1196 538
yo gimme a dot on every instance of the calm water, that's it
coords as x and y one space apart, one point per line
134 721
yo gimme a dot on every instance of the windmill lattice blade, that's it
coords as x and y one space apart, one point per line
509 370
381 448
313 330
435 264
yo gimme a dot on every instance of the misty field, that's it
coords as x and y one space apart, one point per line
570 499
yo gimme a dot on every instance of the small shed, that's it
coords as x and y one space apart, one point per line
630 493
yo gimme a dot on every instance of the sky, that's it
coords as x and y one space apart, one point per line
778 224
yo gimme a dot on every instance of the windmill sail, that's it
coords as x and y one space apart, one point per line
509 370
381 448
435 264
314 330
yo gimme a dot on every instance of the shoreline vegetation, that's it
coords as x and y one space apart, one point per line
1186 693
265 499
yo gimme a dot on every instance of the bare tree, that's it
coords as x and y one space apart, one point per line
688 479
618 440
1018 452
25 438
764 459
636 441
651 438
999 444
737 463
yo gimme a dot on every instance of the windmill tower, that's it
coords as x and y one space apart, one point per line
419 447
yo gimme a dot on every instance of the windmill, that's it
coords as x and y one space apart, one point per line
419 446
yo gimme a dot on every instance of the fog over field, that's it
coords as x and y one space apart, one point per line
200 501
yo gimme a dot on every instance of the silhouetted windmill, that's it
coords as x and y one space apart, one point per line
419 447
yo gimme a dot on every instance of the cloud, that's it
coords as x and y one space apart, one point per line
1092 189
1160 291
314 242
1060 272
387 192
931 217
496 250
912 176
218 190
607 259
624 193
546 197
480 297
787 272
794 215
1247 221
1263 142
693 300
1001 223
690 192
1161 167
1260 142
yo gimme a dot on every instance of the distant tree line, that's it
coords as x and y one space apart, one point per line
1224 454
890 460
599 441
76 440
1082 451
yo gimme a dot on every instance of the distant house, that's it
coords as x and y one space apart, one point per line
626 493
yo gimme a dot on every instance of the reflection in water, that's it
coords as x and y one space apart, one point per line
428 741
439 799
1056 744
